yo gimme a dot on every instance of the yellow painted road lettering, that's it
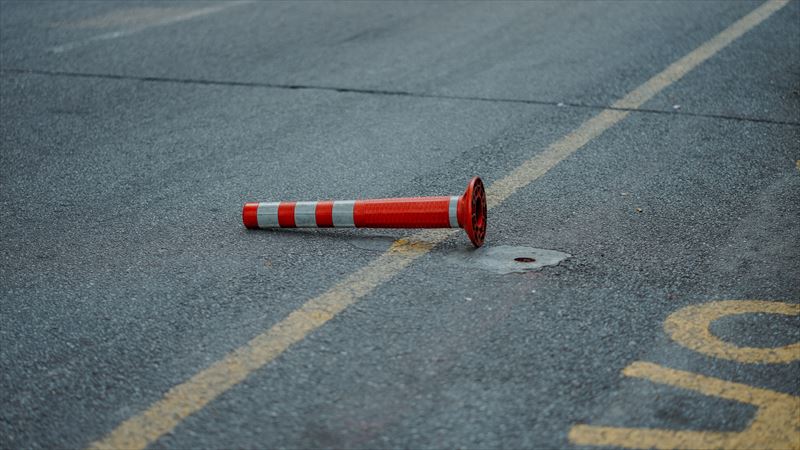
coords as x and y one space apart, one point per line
690 327
776 425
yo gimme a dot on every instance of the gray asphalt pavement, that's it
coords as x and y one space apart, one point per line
125 270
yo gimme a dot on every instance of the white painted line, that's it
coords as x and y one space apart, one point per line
129 31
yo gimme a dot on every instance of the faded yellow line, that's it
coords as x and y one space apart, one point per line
192 395
776 424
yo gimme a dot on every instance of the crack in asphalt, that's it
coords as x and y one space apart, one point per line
386 92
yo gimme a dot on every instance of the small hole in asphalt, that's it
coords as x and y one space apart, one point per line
525 259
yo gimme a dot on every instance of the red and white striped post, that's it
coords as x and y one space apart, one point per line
467 211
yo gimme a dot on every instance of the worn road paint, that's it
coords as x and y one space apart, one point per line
168 20
776 424
192 395
501 259
690 328
128 17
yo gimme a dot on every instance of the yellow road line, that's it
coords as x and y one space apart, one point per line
192 395
188 397
535 167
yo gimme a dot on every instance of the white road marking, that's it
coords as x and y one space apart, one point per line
158 23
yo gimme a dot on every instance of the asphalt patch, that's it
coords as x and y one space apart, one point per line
505 259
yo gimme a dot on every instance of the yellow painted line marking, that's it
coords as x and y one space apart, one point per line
188 397
776 425
193 394
537 166
689 327
165 20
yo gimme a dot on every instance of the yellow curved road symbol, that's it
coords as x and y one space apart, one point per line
690 328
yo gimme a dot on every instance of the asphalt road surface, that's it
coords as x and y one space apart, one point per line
136 310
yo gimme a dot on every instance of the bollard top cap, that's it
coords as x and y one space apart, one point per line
474 204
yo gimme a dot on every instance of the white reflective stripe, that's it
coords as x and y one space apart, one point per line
267 215
343 213
305 214
453 210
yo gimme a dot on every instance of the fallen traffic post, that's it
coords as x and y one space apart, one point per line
467 211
